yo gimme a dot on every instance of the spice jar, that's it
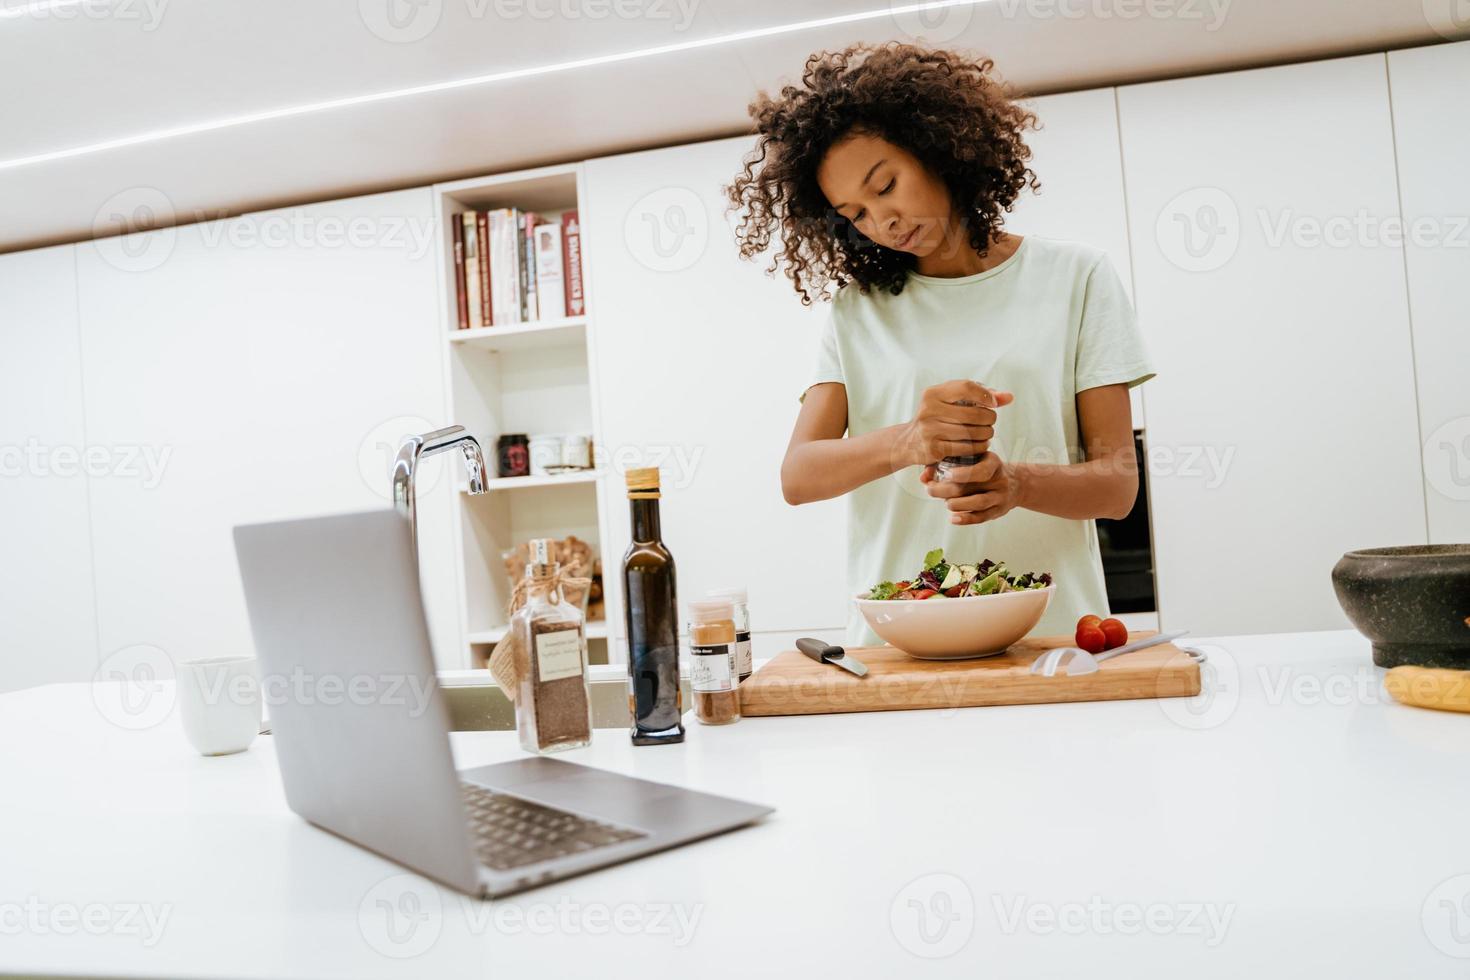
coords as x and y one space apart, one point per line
740 604
545 452
712 674
576 451
512 454
553 703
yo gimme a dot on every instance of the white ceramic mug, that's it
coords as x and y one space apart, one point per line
219 702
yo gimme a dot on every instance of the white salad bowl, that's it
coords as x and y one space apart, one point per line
940 628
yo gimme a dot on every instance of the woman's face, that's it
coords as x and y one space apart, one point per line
886 193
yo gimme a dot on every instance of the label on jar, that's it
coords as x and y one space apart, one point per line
712 667
742 653
558 654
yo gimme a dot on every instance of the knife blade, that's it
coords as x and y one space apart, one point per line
828 653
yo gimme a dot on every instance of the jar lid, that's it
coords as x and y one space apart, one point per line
736 595
546 437
710 610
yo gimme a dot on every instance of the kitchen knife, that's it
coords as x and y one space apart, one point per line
826 653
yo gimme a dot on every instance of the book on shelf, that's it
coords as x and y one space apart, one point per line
571 245
505 282
461 301
482 234
473 319
551 297
528 266
514 266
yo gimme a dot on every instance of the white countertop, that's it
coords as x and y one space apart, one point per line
1291 820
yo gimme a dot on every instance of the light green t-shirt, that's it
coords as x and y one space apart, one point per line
1048 322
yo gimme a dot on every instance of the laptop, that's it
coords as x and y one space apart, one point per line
362 733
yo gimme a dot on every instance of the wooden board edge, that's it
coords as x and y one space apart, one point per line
1177 683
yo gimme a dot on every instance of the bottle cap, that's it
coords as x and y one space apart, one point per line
711 610
736 595
642 482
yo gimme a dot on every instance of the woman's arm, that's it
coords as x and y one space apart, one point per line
820 463
1106 485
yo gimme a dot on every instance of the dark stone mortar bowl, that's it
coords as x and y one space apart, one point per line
1412 602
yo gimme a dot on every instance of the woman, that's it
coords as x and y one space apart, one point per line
886 175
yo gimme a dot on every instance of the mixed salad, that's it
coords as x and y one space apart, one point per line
944 579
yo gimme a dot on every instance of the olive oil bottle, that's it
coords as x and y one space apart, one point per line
651 612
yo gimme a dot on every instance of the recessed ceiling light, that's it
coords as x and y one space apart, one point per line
245 119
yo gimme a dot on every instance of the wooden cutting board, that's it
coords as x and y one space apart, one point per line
792 683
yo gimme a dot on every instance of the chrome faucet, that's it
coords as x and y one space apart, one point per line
413 448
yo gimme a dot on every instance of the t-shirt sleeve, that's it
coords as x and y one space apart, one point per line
829 362
1110 347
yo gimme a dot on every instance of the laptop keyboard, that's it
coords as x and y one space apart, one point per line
510 832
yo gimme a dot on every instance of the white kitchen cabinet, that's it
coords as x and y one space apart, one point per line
700 359
1282 425
1075 155
273 360
47 609
1432 134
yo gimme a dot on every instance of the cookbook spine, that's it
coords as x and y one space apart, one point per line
571 237
533 288
471 268
461 302
520 252
510 277
497 267
482 234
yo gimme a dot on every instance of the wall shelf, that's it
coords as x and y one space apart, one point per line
535 376
531 482
522 336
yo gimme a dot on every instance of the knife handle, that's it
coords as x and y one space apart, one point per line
818 650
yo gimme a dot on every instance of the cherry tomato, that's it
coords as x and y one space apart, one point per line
921 593
1089 620
1091 639
1114 632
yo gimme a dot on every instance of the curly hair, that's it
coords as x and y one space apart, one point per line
948 110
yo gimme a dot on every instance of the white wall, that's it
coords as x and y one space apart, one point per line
234 371
47 615
1432 135
1291 355
701 359
261 353
1076 155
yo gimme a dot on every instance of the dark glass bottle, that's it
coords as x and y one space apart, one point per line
650 610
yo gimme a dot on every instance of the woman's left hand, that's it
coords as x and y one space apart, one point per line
975 494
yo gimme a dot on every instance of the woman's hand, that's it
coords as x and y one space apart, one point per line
975 494
956 418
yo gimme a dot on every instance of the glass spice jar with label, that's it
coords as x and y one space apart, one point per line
712 672
553 703
740 606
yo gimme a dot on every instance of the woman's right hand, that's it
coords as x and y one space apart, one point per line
956 418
